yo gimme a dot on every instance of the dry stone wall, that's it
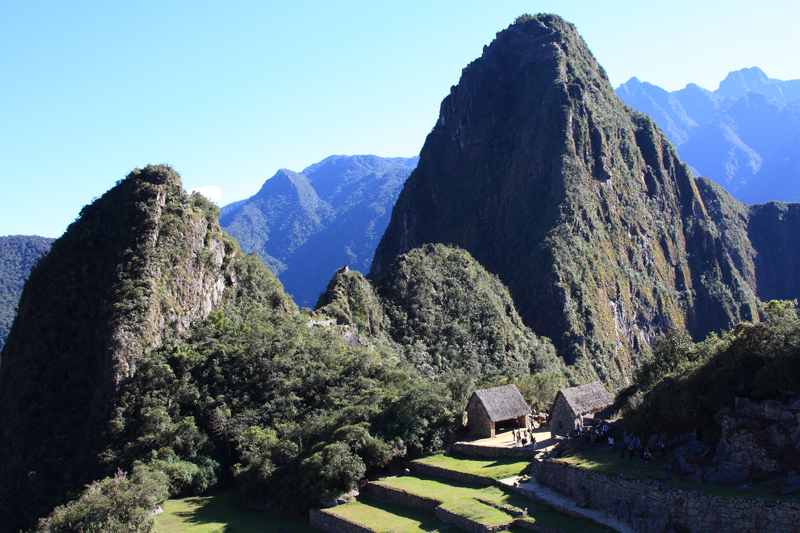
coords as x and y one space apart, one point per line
493 451
400 497
331 523
653 507
465 524
435 471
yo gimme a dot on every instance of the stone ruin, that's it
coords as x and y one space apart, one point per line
761 441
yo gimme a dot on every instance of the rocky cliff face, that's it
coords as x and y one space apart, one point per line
579 204
141 263
761 239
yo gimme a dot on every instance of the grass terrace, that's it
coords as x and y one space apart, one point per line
483 503
494 468
222 512
386 517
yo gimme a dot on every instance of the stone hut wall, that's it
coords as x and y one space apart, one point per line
562 420
653 507
331 523
478 420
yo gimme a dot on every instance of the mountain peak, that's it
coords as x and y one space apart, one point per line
578 204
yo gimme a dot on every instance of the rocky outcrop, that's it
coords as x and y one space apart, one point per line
574 201
141 263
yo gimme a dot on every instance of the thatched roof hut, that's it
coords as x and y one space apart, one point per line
489 407
570 406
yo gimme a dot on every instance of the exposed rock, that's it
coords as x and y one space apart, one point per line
671 464
722 453
731 474
583 496
766 410
791 486
692 452
708 472
742 458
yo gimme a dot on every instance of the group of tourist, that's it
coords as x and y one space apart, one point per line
645 453
597 435
523 437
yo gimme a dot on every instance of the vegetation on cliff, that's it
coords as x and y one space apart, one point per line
150 357
445 314
140 264
683 385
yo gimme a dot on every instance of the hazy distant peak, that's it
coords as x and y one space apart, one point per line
739 82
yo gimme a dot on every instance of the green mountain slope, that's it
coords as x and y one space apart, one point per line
577 203
18 254
444 313
140 264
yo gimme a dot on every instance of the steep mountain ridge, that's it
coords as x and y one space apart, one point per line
142 263
346 207
579 205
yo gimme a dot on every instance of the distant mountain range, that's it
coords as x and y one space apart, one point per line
307 225
745 135
18 254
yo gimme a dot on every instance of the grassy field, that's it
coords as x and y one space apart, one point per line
482 503
221 512
495 468
386 517
601 459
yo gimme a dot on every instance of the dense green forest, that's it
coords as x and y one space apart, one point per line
18 254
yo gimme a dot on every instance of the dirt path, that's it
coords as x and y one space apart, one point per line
538 492
504 439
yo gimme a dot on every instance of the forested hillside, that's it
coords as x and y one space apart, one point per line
18 254
151 358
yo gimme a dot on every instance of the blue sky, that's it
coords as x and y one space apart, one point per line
230 92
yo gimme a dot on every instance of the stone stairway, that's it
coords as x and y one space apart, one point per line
534 490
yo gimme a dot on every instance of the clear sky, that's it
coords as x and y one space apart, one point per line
230 92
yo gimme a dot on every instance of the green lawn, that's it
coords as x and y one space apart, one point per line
386 517
601 459
496 468
481 503
221 512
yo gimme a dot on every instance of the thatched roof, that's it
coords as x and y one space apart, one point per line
585 398
502 403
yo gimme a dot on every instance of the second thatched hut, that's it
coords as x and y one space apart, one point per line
572 405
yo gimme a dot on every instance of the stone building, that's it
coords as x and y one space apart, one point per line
489 408
572 405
